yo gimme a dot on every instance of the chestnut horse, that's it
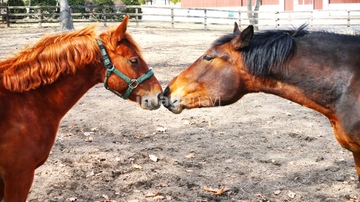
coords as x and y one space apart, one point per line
319 70
41 83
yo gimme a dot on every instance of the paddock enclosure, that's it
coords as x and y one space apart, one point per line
262 148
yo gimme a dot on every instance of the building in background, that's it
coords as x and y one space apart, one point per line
278 5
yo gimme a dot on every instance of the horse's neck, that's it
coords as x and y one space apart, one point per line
289 92
67 90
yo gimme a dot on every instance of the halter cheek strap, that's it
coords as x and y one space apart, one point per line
110 68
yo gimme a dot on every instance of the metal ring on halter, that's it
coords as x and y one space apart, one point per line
133 81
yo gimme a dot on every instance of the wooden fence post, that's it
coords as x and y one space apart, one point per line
205 19
136 17
311 19
40 16
239 18
7 17
172 18
104 16
348 20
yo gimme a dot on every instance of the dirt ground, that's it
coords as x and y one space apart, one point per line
262 148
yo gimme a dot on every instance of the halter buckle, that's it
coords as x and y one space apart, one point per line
133 84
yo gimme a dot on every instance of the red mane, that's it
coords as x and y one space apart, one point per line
49 58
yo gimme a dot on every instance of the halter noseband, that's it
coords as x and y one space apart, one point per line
110 68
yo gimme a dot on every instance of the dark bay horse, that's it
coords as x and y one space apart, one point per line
319 70
41 83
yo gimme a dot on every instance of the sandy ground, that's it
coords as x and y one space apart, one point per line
262 148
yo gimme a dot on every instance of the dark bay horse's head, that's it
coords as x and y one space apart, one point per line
132 79
215 79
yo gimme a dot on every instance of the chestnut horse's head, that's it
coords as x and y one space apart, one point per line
215 79
127 74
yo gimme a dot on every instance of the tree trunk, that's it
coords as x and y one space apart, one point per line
249 11
253 16
256 15
66 22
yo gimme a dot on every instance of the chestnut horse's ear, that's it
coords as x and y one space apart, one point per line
120 31
243 39
236 29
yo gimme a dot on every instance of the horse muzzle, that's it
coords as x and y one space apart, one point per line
150 102
171 103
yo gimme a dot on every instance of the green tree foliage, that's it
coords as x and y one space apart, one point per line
16 11
105 3
76 6
41 2
175 1
15 3
147 1
132 3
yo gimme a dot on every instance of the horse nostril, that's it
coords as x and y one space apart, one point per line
166 91
160 96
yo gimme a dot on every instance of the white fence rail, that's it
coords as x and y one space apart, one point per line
173 16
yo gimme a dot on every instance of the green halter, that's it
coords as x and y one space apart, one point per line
110 68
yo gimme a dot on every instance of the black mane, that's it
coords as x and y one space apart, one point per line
267 50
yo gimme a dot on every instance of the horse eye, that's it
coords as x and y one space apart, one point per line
208 58
133 61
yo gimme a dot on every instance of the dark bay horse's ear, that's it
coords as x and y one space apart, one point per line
236 29
244 38
120 31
